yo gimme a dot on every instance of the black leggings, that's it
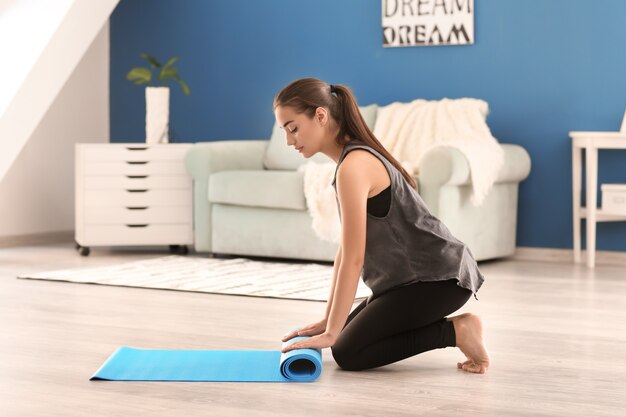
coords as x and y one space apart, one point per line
399 324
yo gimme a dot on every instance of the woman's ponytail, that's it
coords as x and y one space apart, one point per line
351 123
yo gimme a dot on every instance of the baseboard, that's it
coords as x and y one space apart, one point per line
521 253
37 239
567 255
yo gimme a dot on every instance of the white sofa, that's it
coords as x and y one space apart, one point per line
249 198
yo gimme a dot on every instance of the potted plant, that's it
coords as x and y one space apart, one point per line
157 95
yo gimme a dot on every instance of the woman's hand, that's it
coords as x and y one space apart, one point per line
321 341
308 330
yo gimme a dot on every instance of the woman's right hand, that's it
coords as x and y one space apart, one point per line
308 330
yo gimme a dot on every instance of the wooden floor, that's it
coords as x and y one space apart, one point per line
555 332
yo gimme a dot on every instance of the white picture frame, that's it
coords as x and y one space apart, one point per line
427 23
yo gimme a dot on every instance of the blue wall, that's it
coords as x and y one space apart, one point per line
544 67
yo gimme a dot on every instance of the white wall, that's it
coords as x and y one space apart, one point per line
33 22
37 194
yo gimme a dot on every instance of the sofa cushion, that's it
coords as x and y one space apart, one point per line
369 113
279 156
258 188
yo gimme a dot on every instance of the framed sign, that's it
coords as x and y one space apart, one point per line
427 22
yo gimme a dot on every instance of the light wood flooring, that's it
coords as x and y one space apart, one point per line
555 332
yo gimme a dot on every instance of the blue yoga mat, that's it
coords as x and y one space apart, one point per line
130 364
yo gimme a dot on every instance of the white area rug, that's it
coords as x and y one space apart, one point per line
238 276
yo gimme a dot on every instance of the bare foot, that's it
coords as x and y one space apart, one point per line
467 362
469 338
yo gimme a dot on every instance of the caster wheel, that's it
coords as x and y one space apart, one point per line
84 251
77 246
178 249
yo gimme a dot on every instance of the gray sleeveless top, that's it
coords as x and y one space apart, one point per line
409 244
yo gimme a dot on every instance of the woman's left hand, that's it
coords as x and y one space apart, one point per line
321 341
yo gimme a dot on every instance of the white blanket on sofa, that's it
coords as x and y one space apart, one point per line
408 131
320 199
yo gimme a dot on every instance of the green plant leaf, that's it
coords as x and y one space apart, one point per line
170 62
139 75
185 87
151 60
182 84
168 73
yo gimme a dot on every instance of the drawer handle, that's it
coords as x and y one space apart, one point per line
137 176
136 225
136 208
133 148
136 191
137 162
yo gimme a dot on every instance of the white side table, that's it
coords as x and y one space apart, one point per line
590 142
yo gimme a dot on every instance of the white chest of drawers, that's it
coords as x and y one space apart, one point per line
132 194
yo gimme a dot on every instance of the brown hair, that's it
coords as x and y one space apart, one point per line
307 94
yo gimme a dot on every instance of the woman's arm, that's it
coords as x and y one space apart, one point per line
345 291
332 286
352 189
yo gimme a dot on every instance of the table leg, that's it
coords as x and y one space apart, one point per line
591 155
576 194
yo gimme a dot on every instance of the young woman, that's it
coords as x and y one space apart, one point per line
417 271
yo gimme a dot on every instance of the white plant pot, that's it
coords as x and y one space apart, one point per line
157 114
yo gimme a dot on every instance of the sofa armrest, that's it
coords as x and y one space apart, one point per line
207 157
448 166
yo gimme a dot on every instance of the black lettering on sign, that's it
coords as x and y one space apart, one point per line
442 4
389 35
403 34
406 3
432 36
422 11
459 5
455 31
386 7
420 34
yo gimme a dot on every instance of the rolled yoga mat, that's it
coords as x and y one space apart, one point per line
130 364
